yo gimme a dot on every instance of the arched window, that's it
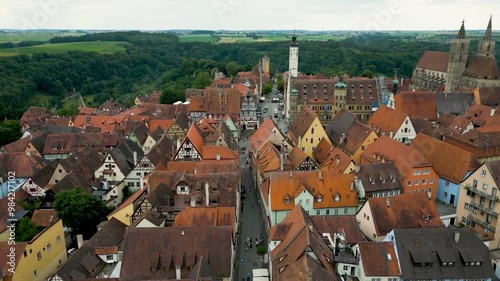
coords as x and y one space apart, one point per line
462 47
488 48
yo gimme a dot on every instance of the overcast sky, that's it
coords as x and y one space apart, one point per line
248 15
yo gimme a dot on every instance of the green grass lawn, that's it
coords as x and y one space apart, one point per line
16 37
101 47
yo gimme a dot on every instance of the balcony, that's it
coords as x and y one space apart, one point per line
482 193
483 223
483 208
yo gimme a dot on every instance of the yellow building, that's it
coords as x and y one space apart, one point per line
39 258
125 211
306 131
478 206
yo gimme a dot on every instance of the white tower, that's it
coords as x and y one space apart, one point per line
293 71
294 57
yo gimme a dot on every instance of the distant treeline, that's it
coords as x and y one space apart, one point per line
160 61
8 45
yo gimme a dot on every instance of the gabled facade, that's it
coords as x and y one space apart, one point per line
120 162
478 202
378 180
191 146
307 131
249 119
395 124
297 251
380 215
333 159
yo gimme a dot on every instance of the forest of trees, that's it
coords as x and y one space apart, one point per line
160 61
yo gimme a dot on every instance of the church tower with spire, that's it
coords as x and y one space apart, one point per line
457 60
486 46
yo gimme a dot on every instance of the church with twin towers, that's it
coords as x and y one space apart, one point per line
458 69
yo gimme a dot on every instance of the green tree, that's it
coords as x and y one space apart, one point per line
172 93
267 88
232 69
281 84
367 73
26 230
10 131
202 80
80 210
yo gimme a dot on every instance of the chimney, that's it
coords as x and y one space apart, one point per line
142 182
207 203
388 201
300 139
28 153
194 171
135 158
291 174
217 156
338 161
281 161
352 186
457 237
429 194
79 240
320 175
178 143
178 271
492 112
193 202
391 134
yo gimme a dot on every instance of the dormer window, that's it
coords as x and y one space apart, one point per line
287 200
337 198
319 198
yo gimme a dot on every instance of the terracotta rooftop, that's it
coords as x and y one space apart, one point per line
206 216
386 120
146 257
375 259
334 191
483 116
482 67
413 210
340 224
23 164
437 61
331 158
268 130
405 158
417 104
44 217
450 162
297 235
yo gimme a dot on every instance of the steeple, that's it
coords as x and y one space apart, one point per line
294 42
461 33
486 47
457 60
487 34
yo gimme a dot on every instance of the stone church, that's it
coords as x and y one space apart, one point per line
449 72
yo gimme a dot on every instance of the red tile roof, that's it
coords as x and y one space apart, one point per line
386 120
331 158
44 217
301 124
450 162
375 259
404 211
437 61
405 158
206 216
317 183
417 104
482 67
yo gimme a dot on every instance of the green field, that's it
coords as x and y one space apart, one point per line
16 37
101 47
196 38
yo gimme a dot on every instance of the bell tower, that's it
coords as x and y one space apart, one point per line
293 71
486 46
457 60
